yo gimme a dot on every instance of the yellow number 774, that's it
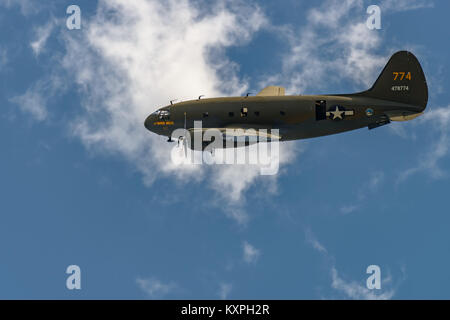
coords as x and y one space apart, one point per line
402 75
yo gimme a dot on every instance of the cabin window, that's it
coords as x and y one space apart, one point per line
257 113
282 113
205 114
231 114
244 112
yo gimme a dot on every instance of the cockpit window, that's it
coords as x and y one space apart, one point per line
163 114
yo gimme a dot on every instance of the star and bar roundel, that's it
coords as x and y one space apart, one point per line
338 113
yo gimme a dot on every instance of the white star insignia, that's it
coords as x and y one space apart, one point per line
337 114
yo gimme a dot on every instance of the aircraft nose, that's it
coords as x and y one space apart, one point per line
149 122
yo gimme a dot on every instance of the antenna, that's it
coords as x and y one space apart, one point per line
172 101
201 96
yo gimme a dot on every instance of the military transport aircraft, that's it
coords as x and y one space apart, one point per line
399 94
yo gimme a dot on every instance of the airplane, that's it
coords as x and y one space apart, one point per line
399 94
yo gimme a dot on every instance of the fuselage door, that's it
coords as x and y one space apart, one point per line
321 110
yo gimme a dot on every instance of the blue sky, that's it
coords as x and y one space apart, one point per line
83 182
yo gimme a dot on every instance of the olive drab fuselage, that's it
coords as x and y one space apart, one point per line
399 94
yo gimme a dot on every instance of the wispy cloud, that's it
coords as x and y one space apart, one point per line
334 45
26 7
350 289
392 6
349 208
357 291
250 253
225 290
312 240
34 100
369 187
42 34
376 179
438 120
154 288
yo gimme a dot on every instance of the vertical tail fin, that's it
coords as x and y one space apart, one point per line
402 80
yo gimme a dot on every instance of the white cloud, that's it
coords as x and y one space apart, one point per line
334 45
154 288
163 51
41 36
251 254
231 182
225 290
234 180
134 56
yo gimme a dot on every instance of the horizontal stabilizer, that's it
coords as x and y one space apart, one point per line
401 115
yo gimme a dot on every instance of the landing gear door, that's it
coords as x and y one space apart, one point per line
321 110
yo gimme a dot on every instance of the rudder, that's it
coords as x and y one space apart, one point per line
402 80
